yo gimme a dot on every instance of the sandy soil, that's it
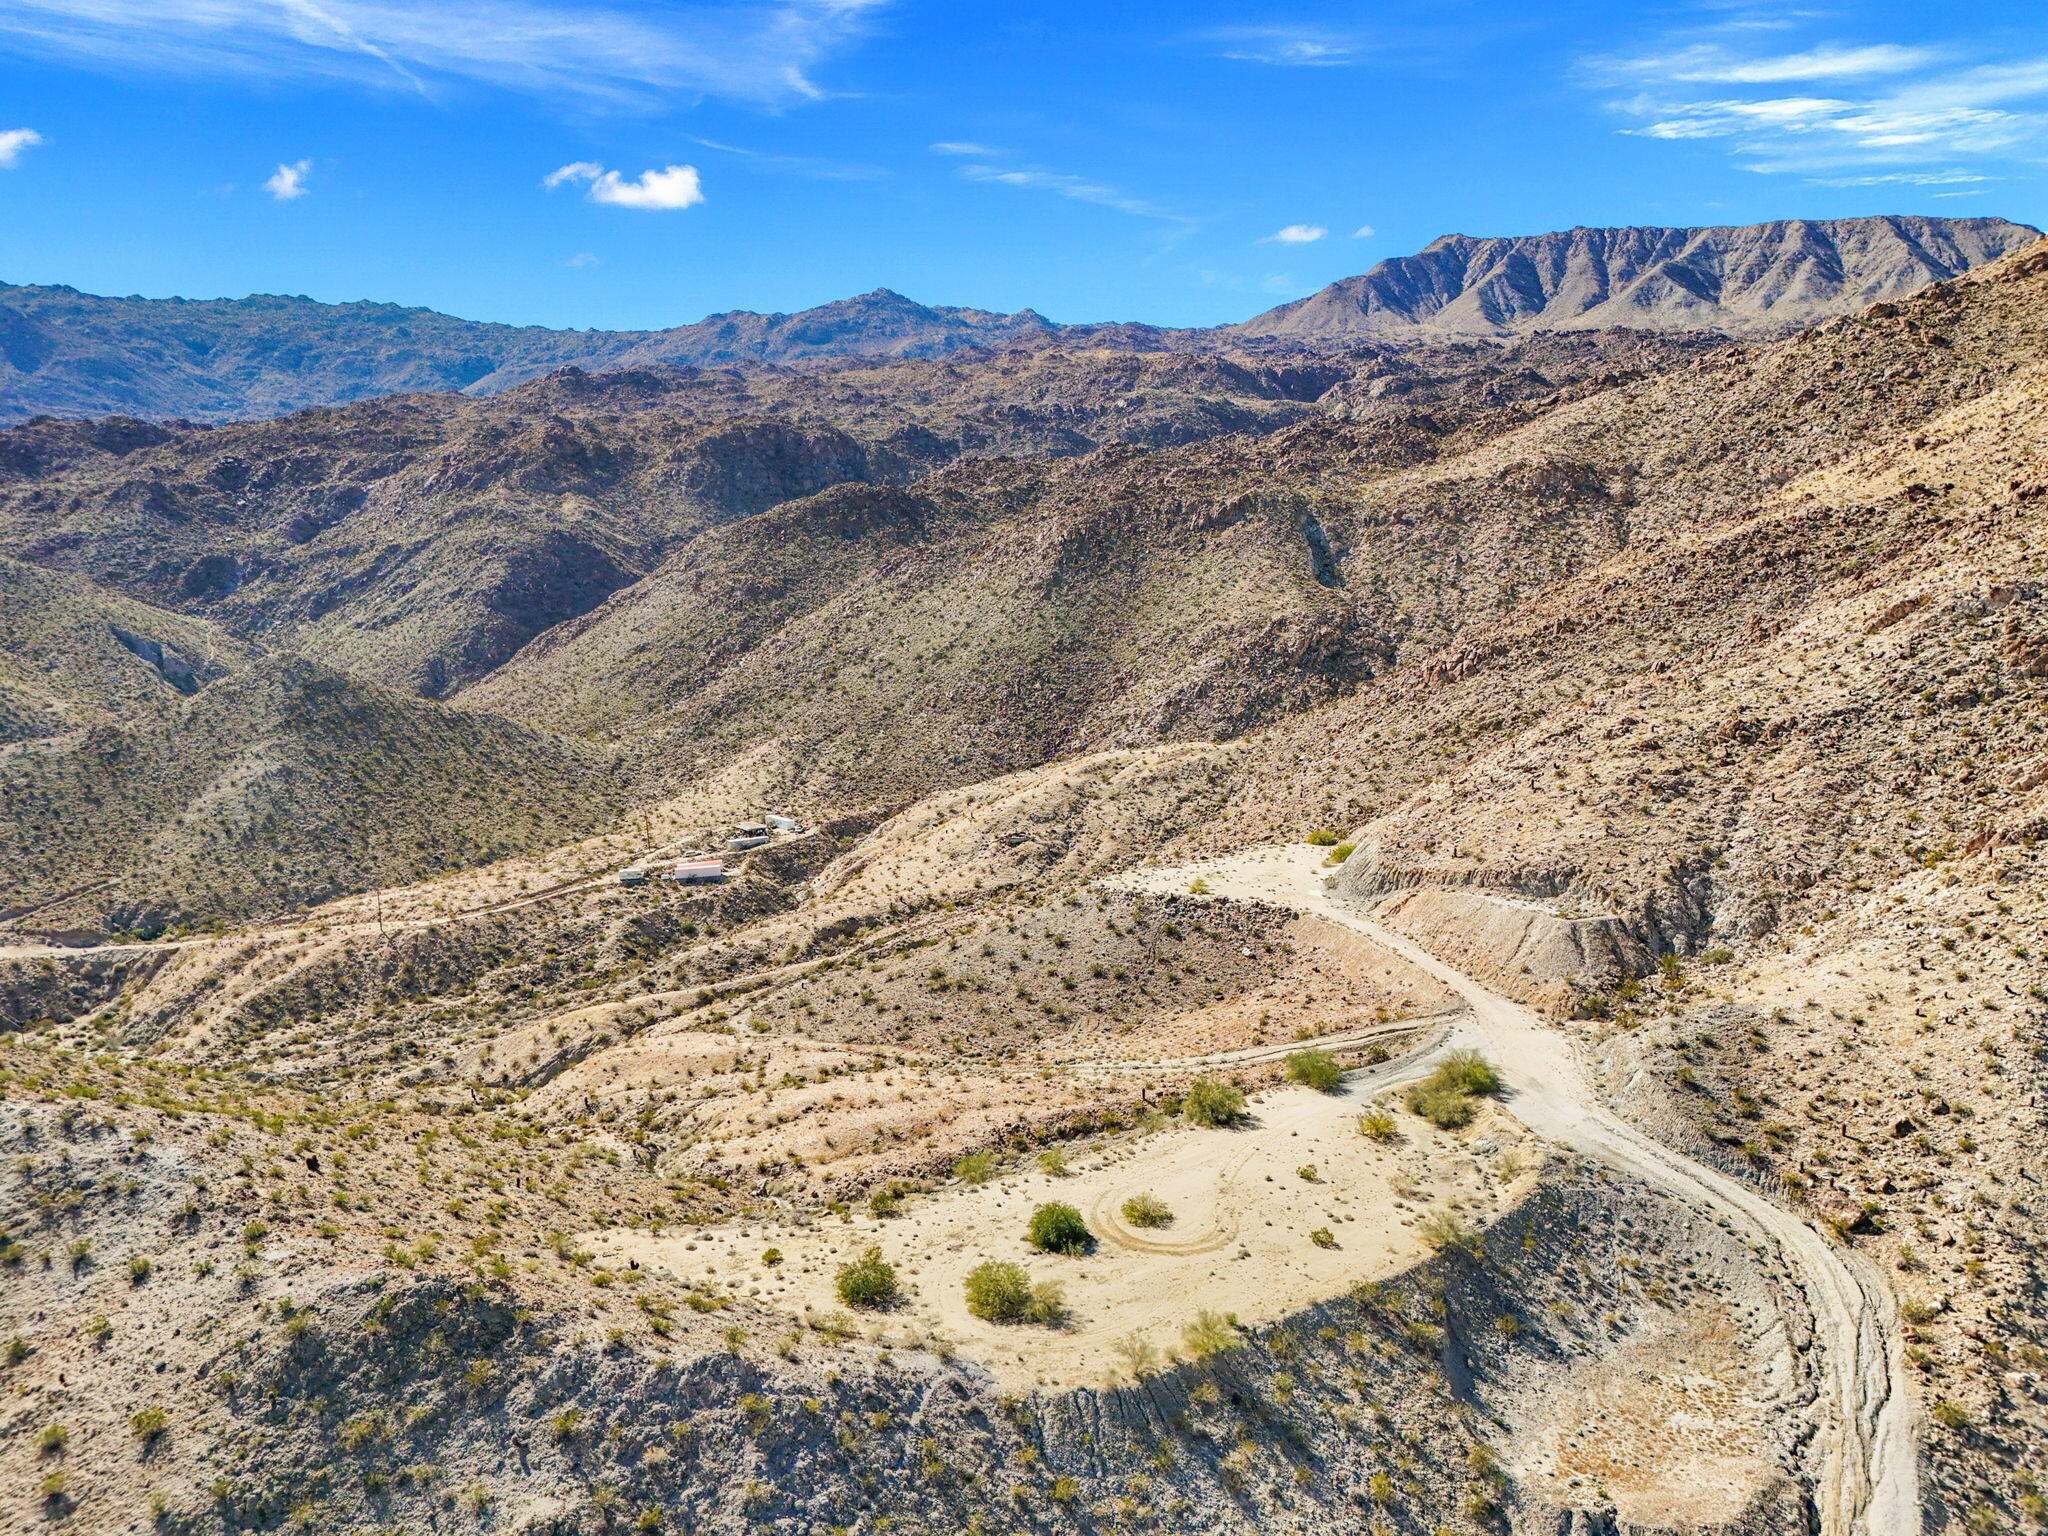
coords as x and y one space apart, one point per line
1239 1242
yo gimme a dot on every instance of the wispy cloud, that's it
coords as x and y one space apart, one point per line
1884 105
288 181
1708 62
761 51
1300 47
962 147
1078 188
13 141
1295 234
673 186
584 259
1363 232
811 166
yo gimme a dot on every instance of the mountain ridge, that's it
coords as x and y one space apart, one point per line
67 353
1745 280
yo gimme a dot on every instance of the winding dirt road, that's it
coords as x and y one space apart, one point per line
1868 1483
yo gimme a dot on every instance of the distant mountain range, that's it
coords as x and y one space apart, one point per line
67 353
1740 280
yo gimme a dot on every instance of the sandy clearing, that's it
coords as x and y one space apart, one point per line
1868 1474
1239 1242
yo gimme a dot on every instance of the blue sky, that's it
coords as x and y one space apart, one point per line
637 164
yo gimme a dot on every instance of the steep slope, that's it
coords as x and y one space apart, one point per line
72 654
423 540
276 786
1745 280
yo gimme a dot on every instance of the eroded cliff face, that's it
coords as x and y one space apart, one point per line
1744 280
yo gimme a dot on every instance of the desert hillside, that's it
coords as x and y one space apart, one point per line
1359 937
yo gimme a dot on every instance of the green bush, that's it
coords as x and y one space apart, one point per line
1211 1102
1341 852
1377 1124
1057 1227
869 1281
1053 1161
1321 838
1468 1072
1445 1108
1147 1211
976 1168
998 1292
1209 1334
1448 1097
1315 1068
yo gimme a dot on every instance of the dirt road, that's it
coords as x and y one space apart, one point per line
1869 1481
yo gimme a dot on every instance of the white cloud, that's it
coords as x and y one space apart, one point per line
673 186
584 259
289 180
1295 234
13 141
1298 47
1363 232
962 147
575 170
761 51
1910 179
1929 113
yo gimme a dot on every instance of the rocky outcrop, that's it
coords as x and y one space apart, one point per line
1537 953
1753 279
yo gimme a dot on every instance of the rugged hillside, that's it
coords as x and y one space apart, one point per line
1744 280
1702 707
73 655
423 540
276 786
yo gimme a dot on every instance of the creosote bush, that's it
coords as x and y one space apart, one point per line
1449 1097
1213 1103
1057 1227
869 1281
999 1292
1377 1125
1147 1211
1315 1068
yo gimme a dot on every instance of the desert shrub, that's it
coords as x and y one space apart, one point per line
1322 838
1147 1211
1376 1124
999 1292
1315 1068
1443 1230
886 1200
976 1168
148 1423
1341 852
869 1281
1198 886
1209 1334
1448 1097
1053 1161
1323 1237
1446 1109
1211 1102
1057 1227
